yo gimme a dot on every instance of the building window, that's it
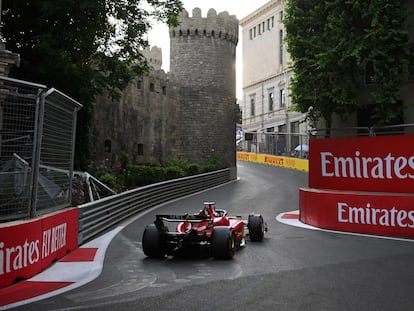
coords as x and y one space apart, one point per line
281 46
252 106
258 27
263 26
139 84
273 21
107 145
152 87
251 34
282 98
140 150
268 24
281 16
254 32
164 90
270 98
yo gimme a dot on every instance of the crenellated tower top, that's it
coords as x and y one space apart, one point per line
222 26
153 56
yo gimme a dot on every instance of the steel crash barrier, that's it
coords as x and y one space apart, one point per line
96 217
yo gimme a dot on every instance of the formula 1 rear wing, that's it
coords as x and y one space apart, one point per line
159 221
181 218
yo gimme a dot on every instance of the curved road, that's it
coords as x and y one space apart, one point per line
293 269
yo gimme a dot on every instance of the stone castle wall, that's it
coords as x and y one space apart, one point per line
141 123
188 113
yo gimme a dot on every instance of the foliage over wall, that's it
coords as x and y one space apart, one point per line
126 175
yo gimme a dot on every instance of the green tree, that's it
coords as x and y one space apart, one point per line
83 47
336 44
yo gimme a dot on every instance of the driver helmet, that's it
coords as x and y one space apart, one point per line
209 208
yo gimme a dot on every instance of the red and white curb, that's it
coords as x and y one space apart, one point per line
292 219
81 266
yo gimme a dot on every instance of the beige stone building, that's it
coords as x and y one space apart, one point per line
266 105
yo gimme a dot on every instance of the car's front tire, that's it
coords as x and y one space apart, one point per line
151 242
256 227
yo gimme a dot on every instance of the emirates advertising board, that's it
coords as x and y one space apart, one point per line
368 213
373 164
27 248
362 184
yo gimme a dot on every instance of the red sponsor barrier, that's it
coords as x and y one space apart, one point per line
29 247
379 164
361 184
379 214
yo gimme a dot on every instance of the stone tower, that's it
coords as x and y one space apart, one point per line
202 60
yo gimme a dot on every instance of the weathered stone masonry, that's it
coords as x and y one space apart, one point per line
188 113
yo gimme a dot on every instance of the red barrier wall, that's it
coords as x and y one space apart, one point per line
379 214
27 248
361 185
379 164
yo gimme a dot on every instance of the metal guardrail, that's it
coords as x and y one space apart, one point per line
98 216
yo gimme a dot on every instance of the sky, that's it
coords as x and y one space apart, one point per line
159 35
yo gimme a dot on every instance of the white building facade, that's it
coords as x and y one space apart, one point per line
266 104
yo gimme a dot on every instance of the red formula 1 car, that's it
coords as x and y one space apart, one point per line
210 232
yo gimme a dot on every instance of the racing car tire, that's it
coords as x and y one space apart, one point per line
222 243
151 242
256 228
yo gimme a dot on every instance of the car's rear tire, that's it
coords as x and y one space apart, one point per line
151 242
256 228
222 243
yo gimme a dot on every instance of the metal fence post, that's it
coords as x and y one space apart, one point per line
37 142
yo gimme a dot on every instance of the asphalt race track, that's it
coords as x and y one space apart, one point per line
292 269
